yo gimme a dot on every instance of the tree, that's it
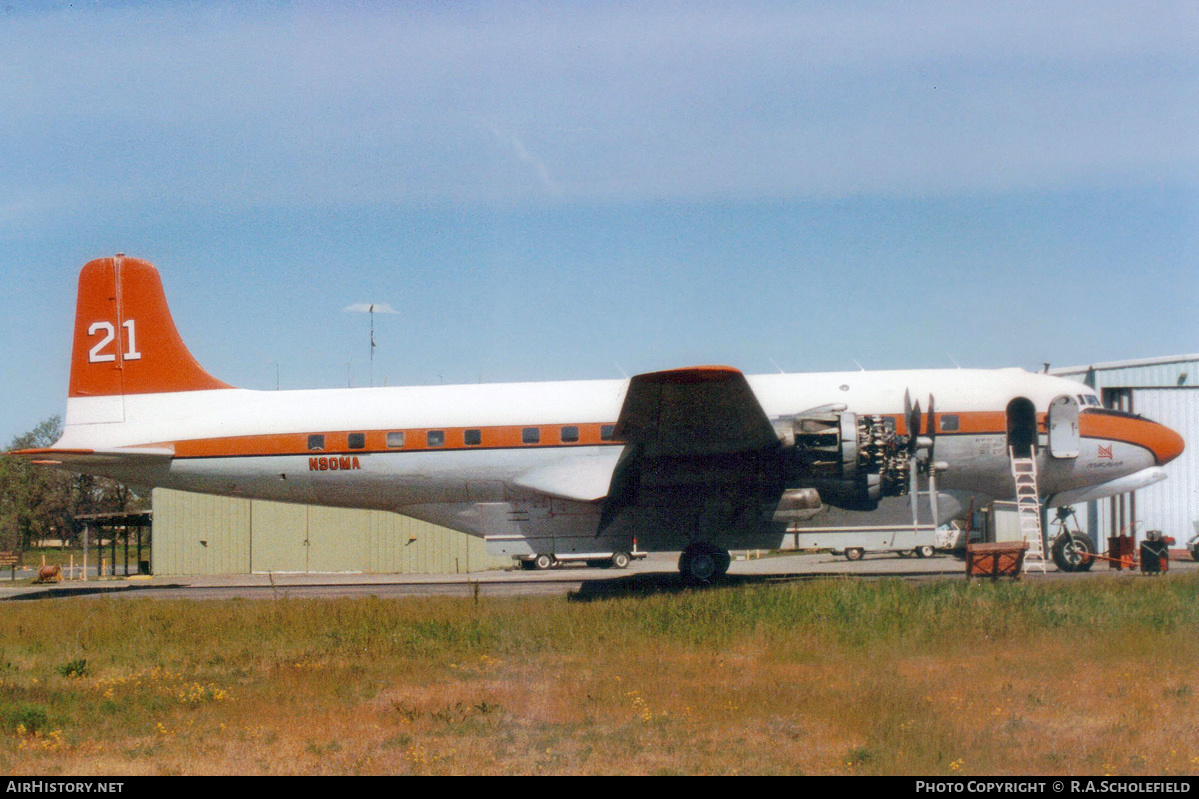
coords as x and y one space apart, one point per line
37 502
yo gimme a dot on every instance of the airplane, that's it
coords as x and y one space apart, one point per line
701 460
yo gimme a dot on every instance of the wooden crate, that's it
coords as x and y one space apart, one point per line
1003 559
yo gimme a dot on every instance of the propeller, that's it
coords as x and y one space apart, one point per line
916 441
912 418
931 429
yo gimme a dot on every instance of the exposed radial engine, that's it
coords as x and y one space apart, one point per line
853 461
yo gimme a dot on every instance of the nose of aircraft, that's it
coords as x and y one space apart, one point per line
1164 443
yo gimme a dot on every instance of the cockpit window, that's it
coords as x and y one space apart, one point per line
1113 412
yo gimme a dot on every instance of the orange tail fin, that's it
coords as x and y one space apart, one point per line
125 340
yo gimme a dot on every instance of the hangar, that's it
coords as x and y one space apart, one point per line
202 534
1165 390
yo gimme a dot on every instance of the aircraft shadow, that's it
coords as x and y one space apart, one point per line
81 591
648 583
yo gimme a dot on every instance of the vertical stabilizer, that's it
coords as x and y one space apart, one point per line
125 340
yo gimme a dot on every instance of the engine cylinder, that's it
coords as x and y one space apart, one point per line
851 460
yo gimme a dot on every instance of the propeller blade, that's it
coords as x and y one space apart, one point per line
907 410
914 491
931 430
932 493
913 421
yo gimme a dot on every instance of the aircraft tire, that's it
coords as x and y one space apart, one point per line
925 551
1073 553
620 560
543 562
723 561
854 553
702 562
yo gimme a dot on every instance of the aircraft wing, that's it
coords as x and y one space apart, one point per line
583 478
684 413
691 434
701 410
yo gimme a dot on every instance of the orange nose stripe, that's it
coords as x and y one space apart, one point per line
1164 443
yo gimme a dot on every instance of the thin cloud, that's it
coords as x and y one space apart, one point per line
299 106
522 153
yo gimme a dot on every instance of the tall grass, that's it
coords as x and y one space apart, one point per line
836 676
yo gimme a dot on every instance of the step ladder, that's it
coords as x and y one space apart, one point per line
1028 510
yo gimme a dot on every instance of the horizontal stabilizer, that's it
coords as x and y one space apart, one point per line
68 458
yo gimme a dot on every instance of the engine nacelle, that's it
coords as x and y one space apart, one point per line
852 461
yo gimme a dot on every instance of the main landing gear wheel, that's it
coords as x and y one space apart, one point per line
1072 553
704 562
925 551
854 553
543 561
620 560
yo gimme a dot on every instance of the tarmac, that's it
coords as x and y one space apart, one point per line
656 573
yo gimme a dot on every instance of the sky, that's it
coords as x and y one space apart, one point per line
578 190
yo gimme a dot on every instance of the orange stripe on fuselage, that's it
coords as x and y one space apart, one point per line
415 440
976 423
495 437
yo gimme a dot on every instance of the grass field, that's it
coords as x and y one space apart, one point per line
1091 676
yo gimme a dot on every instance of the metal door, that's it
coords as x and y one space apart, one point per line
1063 427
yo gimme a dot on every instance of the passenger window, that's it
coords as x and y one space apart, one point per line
316 443
473 438
530 435
357 440
949 423
435 438
395 440
607 432
570 434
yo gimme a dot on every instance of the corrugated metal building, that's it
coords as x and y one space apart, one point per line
1165 390
200 534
